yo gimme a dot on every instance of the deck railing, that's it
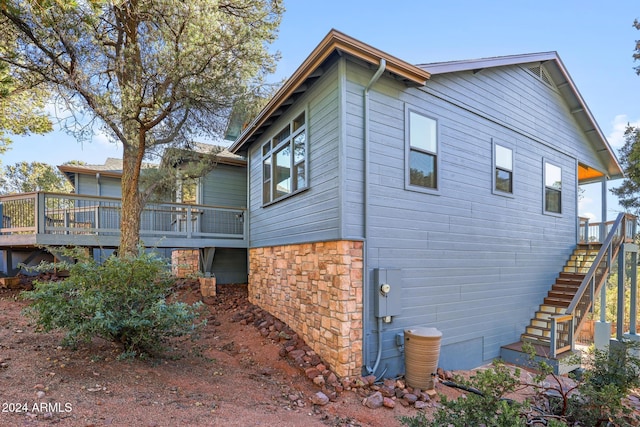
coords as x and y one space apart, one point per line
74 214
564 328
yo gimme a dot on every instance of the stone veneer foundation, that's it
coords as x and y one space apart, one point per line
185 262
316 289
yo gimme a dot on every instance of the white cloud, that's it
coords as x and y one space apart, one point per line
619 125
584 202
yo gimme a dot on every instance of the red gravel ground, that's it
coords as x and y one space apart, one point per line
230 376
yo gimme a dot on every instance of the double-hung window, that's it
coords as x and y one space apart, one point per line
284 161
503 169
422 152
552 188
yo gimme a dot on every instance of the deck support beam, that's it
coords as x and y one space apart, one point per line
8 262
206 260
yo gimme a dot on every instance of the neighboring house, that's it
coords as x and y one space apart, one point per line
90 217
455 183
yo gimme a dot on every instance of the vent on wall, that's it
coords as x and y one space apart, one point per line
539 72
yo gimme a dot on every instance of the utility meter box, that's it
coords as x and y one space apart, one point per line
387 284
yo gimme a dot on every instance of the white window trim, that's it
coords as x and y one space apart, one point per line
544 188
407 154
494 190
274 149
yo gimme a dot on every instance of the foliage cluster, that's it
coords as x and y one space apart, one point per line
596 399
25 177
154 74
21 108
123 300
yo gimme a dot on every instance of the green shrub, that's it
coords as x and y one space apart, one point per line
609 377
122 300
595 400
482 405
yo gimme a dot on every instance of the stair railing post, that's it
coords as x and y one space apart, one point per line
593 293
571 332
586 231
552 337
621 279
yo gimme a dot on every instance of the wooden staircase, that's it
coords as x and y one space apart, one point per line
559 297
555 324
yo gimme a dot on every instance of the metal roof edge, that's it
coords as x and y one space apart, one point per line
496 61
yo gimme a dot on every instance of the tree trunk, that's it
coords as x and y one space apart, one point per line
131 199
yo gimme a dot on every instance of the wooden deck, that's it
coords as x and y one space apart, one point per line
50 219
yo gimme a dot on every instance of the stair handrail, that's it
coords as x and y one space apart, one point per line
608 244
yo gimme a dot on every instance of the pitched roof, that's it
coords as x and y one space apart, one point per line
113 167
338 43
561 80
334 43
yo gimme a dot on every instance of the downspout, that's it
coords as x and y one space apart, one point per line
98 186
366 292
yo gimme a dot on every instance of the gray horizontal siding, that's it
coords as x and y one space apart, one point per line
474 264
230 265
88 185
313 214
225 185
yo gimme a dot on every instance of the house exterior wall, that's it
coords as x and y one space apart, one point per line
88 185
473 263
225 185
314 214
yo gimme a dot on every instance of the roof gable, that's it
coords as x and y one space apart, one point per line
561 80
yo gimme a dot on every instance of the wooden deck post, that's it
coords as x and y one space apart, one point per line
621 275
633 278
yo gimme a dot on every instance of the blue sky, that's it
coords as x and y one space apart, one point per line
595 40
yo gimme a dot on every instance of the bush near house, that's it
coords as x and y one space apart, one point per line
123 300
596 399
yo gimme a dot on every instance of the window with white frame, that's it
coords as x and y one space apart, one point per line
552 188
423 152
503 169
284 164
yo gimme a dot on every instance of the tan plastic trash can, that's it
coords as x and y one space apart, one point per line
421 353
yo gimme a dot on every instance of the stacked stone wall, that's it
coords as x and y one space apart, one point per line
315 288
185 263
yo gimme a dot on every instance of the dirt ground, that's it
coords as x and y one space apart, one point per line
234 374
231 376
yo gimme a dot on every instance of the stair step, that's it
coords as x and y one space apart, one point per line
583 270
581 259
534 339
551 309
560 294
567 281
541 323
542 316
572 275
564 289
557 302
